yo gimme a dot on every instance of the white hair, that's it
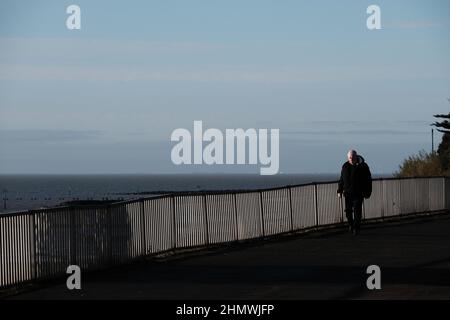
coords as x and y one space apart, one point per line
351 151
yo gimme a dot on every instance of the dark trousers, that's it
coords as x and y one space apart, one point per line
353 210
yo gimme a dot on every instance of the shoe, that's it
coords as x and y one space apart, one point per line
355 232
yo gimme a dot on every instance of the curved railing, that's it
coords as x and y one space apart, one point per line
41 244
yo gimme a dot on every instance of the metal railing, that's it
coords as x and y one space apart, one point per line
41 244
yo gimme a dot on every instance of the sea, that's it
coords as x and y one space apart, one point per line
25 192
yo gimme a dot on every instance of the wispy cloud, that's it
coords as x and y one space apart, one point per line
47 135
99 48
353 132
56 59
228 74
418 24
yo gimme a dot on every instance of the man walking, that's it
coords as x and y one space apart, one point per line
356 184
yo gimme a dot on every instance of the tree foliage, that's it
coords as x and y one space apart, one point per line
444 125
422 164
430 164
444 147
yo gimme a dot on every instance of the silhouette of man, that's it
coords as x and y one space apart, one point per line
356 184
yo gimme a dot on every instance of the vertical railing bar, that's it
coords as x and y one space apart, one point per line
17 260
28 246
28 239
54 246
316 209
6 251
73 247
236 217
64 241
174 226
446 184
22 249
12 242
48 265
206 220
42 247
3 272
58 252
11 252
55 250
1 253
363 210
261 210
443 194
110 260
383 199
16 245
157 241
55 229
17 249
80 228
138 231
143 235
290 208
35 244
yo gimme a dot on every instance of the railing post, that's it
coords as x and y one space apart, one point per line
417 200
443 194
206 219
143 236
34 245
109 235
174 225
290 208
236 218
363 210
383 200
73 245
400 197
316 209
262 213
430 192
2 282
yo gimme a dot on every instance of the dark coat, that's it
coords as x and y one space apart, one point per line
356 179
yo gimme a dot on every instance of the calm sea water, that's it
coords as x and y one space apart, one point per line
23 192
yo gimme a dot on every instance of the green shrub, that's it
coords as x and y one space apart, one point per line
422 164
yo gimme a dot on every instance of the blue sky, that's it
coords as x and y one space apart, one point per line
105 99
